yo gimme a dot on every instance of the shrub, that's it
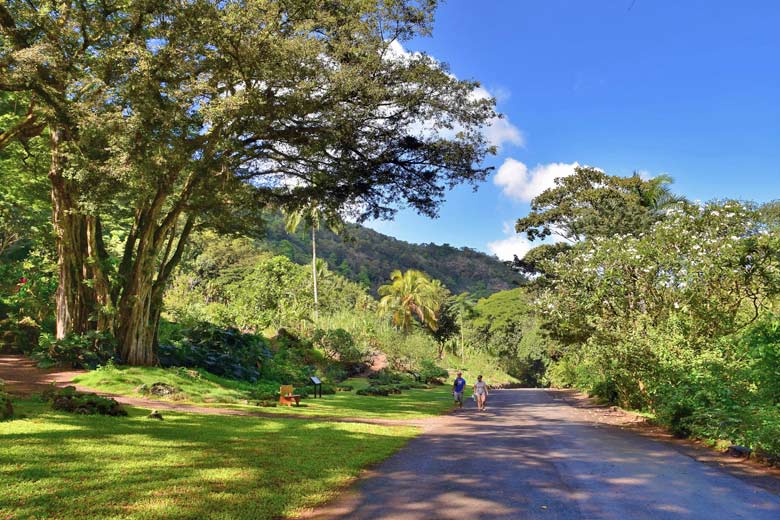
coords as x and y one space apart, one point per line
69 400
339 345
225 352
19 336
385 377
326 389
381 390
431 373
6 407
264 392
87 350
335 373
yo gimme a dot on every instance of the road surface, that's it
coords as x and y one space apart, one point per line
530 455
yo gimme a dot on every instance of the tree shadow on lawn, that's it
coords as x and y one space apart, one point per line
187 466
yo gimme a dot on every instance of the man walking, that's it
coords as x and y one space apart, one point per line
457 389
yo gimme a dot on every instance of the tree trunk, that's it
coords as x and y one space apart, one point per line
74 297
140 304
104 304
135 307
314 270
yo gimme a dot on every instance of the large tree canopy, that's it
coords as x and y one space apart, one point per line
591 203
167 116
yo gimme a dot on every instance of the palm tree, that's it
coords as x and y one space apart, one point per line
312 216
409 295
462 306
656 194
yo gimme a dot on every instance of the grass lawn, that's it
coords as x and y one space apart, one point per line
202 389
411 404
474 365
57 465
215 391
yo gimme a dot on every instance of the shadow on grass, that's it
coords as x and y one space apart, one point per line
186 466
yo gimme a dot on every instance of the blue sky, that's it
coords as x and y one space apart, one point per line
688 88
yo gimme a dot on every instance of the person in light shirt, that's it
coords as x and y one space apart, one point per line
481 391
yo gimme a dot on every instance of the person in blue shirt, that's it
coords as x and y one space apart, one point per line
457 389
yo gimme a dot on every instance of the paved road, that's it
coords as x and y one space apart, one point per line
533 456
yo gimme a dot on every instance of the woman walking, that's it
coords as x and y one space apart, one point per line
481 391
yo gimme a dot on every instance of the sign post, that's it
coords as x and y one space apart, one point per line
317 385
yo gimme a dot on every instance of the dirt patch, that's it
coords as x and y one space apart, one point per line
23 378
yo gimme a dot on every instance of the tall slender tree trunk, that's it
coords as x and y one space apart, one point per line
104 304
314 269
462 351
74 297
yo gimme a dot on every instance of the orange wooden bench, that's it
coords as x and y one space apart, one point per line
286 396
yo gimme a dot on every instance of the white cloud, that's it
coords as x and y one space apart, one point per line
498 132
520 183
513 244
501 131
506 248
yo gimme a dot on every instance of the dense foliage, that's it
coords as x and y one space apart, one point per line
678 318
222 351
366 256
505 326
161 118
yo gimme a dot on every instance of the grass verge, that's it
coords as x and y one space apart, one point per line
56 465
208 389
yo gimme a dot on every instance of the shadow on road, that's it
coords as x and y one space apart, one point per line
531 456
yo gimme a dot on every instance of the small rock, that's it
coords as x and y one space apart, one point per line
163 389
155 415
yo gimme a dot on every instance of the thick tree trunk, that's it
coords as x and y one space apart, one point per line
140 304
138 322
135 313
74 297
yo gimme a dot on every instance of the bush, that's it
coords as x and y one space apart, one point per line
335 374
385 377
88 350
339 346
224 352
379 390
6 407
326 389
19 337
431 373
265 392
69 400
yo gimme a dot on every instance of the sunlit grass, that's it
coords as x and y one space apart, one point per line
475 364
56 465
194 386
213 391
410 404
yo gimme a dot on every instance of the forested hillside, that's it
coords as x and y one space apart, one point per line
368 257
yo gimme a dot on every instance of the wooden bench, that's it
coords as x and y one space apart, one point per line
286 396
